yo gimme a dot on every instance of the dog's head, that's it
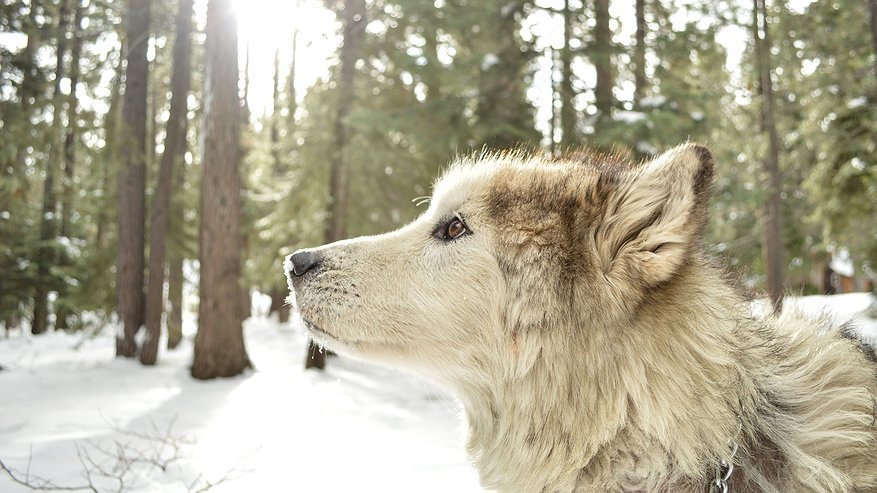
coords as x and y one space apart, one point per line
511 250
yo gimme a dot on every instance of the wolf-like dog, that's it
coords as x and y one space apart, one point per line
571 306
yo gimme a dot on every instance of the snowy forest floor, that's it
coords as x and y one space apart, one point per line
69 407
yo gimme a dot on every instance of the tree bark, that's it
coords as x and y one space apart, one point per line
602 58
639 54
773 212
29 87
174 148
556 101
567 110
354 29
111 150
219 344
245 98
70 137
277 164
872 7
175 300
354 26
132 182
175 268
293 102
48 221
72 116
278 304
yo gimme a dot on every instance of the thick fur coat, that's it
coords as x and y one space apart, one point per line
595 347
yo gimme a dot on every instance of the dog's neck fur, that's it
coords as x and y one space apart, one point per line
589 444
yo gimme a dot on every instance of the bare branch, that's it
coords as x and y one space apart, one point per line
119 465
36 483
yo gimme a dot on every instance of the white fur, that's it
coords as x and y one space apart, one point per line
592 344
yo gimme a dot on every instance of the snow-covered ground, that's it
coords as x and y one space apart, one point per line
351 428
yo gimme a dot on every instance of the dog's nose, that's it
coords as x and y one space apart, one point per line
302 261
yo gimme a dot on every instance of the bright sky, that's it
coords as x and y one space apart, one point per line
266 25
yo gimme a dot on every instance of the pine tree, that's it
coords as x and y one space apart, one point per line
219 344
132 185
773 211
174 148
569 136
47 255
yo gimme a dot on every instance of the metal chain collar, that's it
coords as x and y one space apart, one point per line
725 469
723 472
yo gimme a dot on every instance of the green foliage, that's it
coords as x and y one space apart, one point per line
436 80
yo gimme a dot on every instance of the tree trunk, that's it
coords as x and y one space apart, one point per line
132 182
354 25
175 267
279 305
175 300
174 148
639 54
277 164
602 59
219 345
111 150
245 99
70 152
773 212
555 101
29 88
354 28
72 115
872 7
293 103
567 110
48 221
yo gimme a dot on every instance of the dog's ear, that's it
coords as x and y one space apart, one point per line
654 214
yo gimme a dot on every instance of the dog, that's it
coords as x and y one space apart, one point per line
571 307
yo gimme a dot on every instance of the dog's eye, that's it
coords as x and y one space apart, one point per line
451 230
455 229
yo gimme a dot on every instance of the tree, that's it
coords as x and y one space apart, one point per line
567 109
601 57
354 30
872 10
132 181
639 54
70 137
174 148
504 117
219 344
773 207
47 255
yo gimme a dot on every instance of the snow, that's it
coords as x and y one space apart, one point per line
625 116
278 428
646 148
652 101
842 263
351 428
489 61
857 102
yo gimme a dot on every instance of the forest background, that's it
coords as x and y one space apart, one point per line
155 152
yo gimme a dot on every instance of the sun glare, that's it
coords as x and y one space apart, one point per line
265 26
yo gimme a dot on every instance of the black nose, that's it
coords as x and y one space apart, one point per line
302 261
